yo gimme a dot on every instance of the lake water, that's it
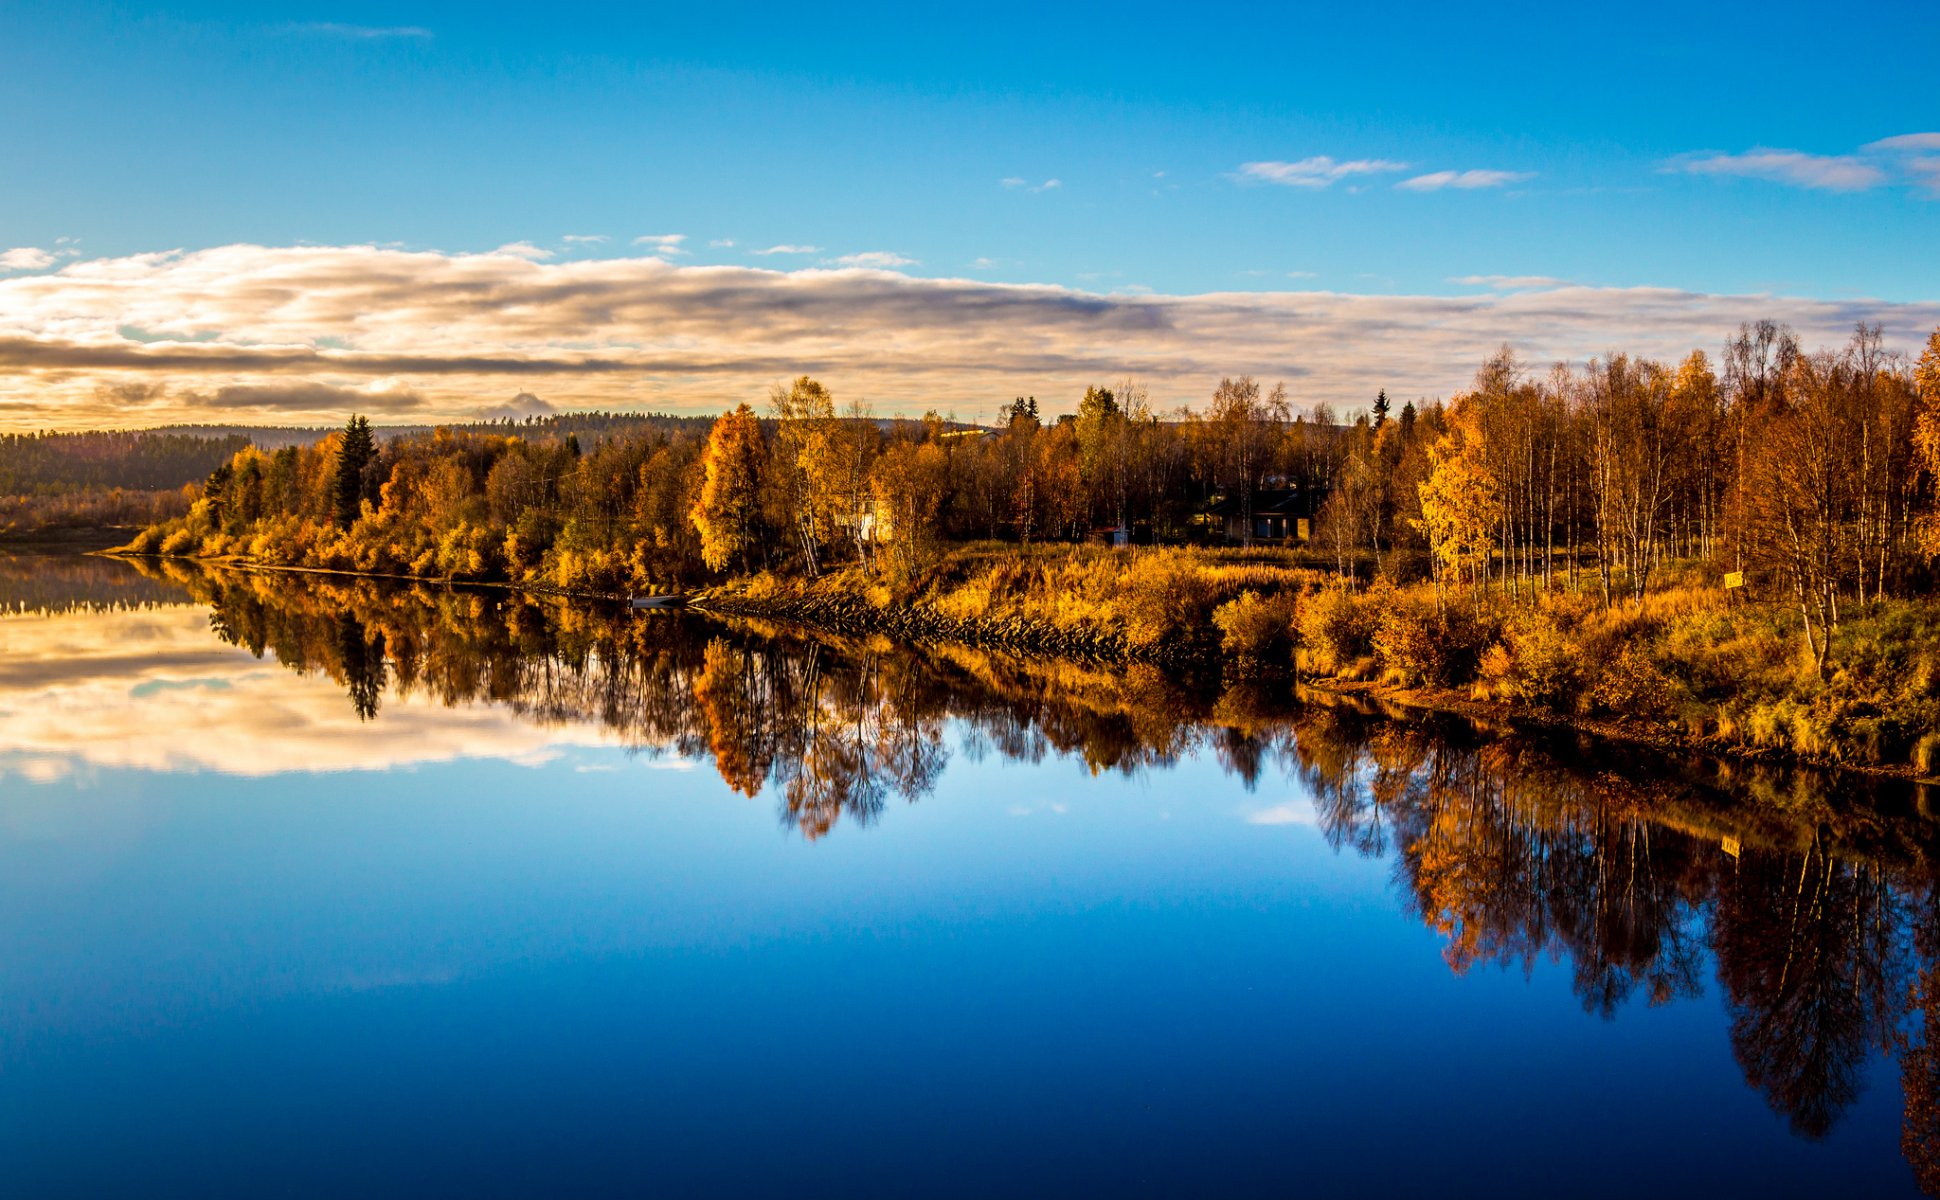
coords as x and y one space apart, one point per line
316 887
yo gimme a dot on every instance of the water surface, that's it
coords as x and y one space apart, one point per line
316 887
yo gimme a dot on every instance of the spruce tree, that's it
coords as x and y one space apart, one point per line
356 453
1381 409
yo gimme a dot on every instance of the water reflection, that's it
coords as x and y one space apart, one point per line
1808 899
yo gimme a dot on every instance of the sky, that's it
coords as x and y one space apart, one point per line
281 213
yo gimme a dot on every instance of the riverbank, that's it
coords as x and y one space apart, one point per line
1686 669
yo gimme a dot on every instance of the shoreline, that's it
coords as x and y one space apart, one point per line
845 612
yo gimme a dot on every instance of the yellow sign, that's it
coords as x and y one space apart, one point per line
1732 847
1734 579
1300 528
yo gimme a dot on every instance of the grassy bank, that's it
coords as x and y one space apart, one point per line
1689 665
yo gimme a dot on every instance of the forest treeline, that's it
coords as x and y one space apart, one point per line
91 480
1557 539
1819 922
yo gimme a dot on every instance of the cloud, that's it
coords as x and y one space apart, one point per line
1904 142
521 406
875 259
721 243
25 258
662 243
361 33
139 689
584 239
1435 181
785 248
524 250
1824 172
1290 812
1907 159
1015 183
1511 282
305 398
1318 172
444 333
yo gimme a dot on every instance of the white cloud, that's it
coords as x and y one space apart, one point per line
362 33
721 243
1317 172
1016 183
786 248
585 239
1907 158
1435 181
25 258
1825 172
525 250
881 260
1506 283
1905 142
273 333
1290 812
662 243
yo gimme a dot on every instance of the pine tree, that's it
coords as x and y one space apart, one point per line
1381 409
358 449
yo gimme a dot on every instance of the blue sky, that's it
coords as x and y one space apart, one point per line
885 128
1703 148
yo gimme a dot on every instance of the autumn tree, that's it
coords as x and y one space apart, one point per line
804 414
728 510
908 487
1246 424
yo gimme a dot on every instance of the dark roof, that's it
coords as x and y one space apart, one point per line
1267 502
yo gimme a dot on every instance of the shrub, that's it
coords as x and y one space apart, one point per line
1632 684
1257 632
1337 629
1419 643
1535 662
1926 754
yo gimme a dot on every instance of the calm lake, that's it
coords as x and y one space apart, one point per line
312 886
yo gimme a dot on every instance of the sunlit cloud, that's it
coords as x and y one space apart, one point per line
875 259
1319 171
140 689
525 250
521 406
662 243
1435 181
786 248
721 243
584 239
302 335
26 258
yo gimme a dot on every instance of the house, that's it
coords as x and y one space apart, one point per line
1281 516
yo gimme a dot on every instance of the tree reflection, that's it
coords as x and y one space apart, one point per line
1811 904
1809 954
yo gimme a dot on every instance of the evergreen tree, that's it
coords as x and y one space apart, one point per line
1381 409
358 449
